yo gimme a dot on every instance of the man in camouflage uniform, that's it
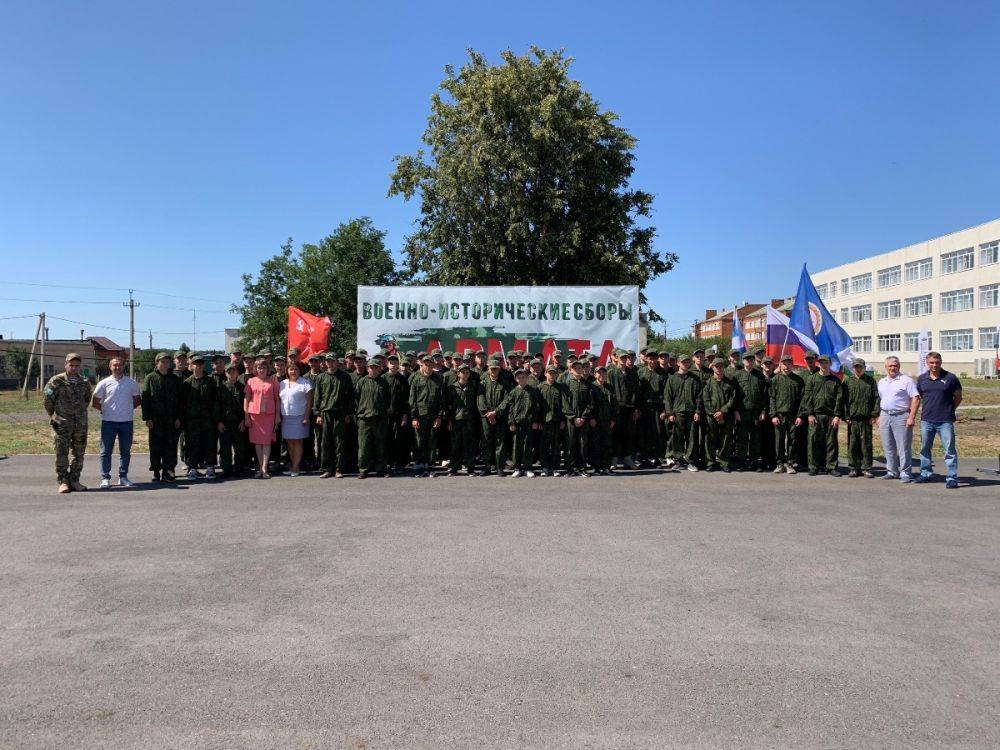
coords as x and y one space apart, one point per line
200 416
784 399
493 391
682 404
624 382
232 452
427 405
578 410
67 396
718 399
372 413
333 404
161 411
398 433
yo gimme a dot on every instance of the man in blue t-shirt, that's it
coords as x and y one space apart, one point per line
940 393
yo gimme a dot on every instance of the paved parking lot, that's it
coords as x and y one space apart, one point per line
641 611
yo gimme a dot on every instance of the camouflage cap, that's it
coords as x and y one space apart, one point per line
393 357
217 356
279 358
652 353
494 364
810 355
536 361
788 358
464 367
822 358
768 360
683 357
331 355
265 353
858 362
698 351
231 366
481 353
663 354
512 353
162 355
520 371
427 358
719 362
576 363
449 355
73 355
759 350
314 358
749 355
601 368
411 353
180 353
436 353
557 353
363 353
349 354
552 368
197 358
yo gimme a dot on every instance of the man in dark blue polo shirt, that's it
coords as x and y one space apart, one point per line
940 393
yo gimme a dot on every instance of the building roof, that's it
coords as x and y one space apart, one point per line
104 343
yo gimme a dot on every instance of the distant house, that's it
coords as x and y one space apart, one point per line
717 323
95 353
755 323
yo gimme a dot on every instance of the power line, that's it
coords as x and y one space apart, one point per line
116 328
113 289
58 301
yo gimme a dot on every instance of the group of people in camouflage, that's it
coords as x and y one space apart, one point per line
467 413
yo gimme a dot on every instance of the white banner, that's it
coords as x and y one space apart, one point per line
537 319
923 347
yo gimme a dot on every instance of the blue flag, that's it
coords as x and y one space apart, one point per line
816 327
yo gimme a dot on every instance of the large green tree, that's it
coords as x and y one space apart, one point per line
525 181
321 279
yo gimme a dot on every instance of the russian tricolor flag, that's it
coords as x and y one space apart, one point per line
739 340
781 339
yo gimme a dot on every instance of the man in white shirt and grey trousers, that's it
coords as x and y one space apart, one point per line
115 398
898 402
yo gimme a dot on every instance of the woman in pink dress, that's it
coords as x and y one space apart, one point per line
262 405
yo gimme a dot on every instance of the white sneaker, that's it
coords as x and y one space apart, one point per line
105 484
210 472
125 482
670 463
293 473
517 474
557 473
529 474
692 467
192 474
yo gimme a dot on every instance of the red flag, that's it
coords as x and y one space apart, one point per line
309 333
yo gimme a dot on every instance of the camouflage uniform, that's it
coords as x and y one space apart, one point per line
66 403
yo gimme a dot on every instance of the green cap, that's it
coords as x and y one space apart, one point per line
162 355
465 367
231 366
427 358
788 358
520 371
684 358
859 362
536 361
197 358
494 363
73 355
314 358
279 358
411 353
180 353
552 368
719 362
698 351
652 353
810 355
822 358
768 361
363 353
331 355
749 355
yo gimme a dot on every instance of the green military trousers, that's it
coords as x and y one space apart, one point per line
423 441
786 437
718 440
333 444
463 444
685 438
69 437
823 448
859 444
748 438
371 445
549 455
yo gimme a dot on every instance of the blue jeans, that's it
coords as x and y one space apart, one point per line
110 431
946 430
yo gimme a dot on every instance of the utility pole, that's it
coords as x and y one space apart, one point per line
131 305
41 353
150 338
194 330
31 357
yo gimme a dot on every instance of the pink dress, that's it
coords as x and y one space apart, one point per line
263 407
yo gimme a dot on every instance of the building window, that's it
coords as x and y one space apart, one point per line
919 269
988 338
957 301
911 342
888 342
845 315
863 344
845 286
890 276
889 310
861 283
821 291
989 295
833 288
960 260
922 305
959 340
989 253
861 313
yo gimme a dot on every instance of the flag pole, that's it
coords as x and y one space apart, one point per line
783 343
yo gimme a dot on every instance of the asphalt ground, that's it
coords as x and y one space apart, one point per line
648 610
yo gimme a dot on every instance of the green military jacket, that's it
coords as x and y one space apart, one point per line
652 382
463 402
333 394
399 392
577 399
718 395
161 397
199 399
626 386
751 390
682 394
605 405
785 393
491 395
372 398
231 402
863 401
550 398
520 406
68 400
426 395
704 372
824 395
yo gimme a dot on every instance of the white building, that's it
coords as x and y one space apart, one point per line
949 285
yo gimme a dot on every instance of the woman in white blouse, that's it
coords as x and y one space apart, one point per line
296 408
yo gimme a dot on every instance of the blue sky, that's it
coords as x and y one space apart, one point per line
170 147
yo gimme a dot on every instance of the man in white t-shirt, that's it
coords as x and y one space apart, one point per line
115 398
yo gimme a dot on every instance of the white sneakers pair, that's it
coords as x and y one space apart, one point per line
520 473
122 482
